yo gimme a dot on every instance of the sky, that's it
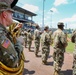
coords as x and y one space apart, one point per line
54 11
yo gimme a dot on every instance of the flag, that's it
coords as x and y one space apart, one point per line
6 43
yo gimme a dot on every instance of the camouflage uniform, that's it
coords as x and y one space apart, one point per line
37 41
60 43
73 39
50 34
45 44
25 38
29 39
9 52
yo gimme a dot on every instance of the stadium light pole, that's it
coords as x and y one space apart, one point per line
51 18
43 13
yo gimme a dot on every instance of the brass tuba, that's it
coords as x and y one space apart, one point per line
4 70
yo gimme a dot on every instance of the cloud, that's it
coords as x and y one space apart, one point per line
54 10
72 19
31 8
59 2
71 22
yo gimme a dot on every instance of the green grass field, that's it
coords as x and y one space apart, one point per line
70 47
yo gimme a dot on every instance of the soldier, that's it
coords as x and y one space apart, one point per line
25 37
29 39
50 34
21 38
73 39
37 40
45 44
60 43
10 53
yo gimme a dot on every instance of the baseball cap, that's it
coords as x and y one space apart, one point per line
4 7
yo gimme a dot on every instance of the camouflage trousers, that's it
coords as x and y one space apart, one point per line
45 53
74 63
37 45
25 42
58 57
29 44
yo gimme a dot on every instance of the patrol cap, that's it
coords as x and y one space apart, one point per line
22 33
28 30
60 24
12 3
4 7
37 26
46 27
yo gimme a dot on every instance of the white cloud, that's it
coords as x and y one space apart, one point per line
54 10
31 8
59 2
72 19
71 22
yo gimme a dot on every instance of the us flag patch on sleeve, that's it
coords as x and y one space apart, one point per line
6 43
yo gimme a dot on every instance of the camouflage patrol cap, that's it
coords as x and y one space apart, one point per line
37 26
46 27
12 3
60 24
4 7
22 33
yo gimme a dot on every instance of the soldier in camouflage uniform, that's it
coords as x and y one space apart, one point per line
73 39
29 39
37 40
25 37
10 53
60 43
50 34
45 44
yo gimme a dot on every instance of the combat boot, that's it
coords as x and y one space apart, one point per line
29 50
56 73
61 74
44 62
36 55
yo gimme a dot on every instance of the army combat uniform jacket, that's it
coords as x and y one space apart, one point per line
9 52
60 43
73 39
37 35
45 44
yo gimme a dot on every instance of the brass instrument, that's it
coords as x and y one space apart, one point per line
4 70
15 30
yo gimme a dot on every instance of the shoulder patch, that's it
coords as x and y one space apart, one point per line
6 43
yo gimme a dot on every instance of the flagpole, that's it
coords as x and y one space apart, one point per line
43 13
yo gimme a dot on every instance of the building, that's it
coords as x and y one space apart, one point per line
24 16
